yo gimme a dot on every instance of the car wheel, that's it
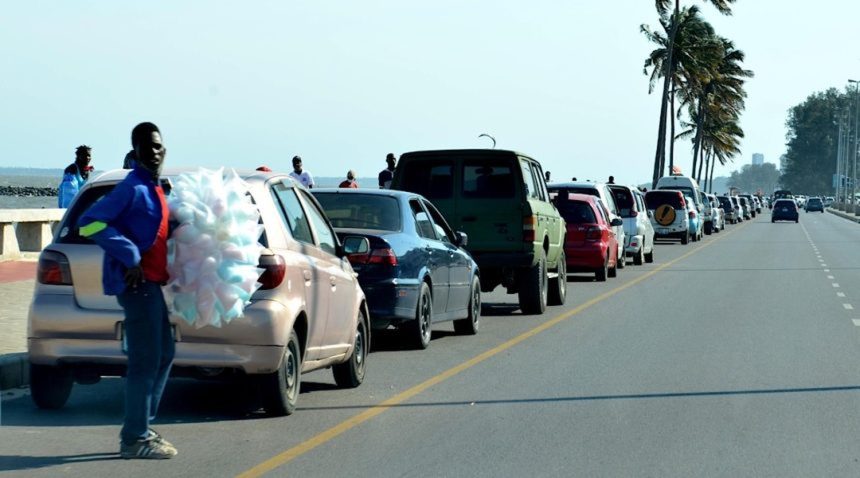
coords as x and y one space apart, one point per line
600 274
709 228
350 374
649 258
621 261
420 330
639 258
773 220
797 220
685 239
558 286
533 285
281 388
50 386
469 325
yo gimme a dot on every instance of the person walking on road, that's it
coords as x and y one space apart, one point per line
350 181
301 175
387 174
131 225
75 175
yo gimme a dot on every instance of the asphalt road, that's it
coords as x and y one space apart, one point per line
735 356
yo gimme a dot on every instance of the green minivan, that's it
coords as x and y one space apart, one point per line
499 199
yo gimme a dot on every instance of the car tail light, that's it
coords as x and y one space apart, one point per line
54 269
384 256
634 213
593 234
529 223
274 269
692 214
683 202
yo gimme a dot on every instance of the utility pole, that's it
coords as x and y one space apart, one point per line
853 151
838 175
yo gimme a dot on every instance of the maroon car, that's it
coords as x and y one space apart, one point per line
590 244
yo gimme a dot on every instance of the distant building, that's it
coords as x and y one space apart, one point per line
758 159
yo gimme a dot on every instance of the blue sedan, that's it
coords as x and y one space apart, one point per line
415 271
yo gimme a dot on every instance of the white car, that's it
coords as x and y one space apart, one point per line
718 214
668 213
638 231
707 213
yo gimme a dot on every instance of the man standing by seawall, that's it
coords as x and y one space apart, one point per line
75 175
387 174
300 175
130 224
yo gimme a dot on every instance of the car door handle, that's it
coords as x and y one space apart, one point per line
333 280
307 275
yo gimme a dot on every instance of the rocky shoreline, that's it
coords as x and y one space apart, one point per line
27 191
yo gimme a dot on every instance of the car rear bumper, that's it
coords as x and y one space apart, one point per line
250 359
501 260
585 257
391 299
634 244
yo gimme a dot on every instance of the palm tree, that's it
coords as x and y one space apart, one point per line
663 8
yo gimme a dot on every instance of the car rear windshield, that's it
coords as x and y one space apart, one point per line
655 199
814 201
361 211
488 179
725 203
433 179
623 200
785 203
579 190
576 212
687 191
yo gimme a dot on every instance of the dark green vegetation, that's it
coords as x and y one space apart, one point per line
703 70
753 177
812 141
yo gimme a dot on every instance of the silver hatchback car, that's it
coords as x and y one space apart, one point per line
309 313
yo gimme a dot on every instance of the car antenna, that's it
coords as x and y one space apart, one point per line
488 136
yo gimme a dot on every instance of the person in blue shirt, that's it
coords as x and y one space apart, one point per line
131 224
75 175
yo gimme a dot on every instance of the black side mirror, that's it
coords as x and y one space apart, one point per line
616 222
354 245
462 238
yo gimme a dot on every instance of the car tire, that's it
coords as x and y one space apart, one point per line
685 239
50 386
649 258
601 274
280 389
470 325
351 373
621 261
558 286
612 271
420 330
797 220
709 228
533 285
639 258
773 220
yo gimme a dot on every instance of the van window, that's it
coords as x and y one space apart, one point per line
422 220
684 189
488 179
655 199
529 180
624 201
432 179
537 175
293 214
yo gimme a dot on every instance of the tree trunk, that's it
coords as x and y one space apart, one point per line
660 155
700 121
701 164
711 181
672 135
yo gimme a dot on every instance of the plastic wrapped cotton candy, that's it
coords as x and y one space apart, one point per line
213 253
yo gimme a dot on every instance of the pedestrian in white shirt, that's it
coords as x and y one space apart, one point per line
300 175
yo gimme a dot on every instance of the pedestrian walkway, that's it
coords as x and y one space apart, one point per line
17 280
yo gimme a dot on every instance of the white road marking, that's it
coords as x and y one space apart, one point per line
840 294
826 270
856 322
848 306
830 277
835 284
823 265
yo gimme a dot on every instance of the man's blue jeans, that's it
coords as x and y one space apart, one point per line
150 354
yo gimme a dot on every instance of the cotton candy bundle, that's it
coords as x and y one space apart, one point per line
213 253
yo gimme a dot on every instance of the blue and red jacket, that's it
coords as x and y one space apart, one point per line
125 224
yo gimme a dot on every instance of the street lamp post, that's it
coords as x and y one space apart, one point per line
853 151
838 175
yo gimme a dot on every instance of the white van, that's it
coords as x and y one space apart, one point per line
686 185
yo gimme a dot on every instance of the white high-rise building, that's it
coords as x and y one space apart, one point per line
758 159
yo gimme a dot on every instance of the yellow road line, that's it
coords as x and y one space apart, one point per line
308 445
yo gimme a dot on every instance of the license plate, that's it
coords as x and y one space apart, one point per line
662 231
784 209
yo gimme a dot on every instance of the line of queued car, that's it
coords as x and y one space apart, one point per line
338 264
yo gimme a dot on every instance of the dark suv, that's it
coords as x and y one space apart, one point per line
499 198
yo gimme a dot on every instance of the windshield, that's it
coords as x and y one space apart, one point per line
361 211
576 212
655 199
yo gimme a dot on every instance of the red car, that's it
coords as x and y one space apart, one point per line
590 244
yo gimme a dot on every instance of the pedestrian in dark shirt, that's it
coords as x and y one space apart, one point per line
611 180
130 224
387 174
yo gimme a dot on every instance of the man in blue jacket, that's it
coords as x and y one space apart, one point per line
75 175
130 224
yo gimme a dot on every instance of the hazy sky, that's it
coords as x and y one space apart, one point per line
342 83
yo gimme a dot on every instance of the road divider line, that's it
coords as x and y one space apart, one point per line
836 284
856 322
840 294
848 306
350 423
830 277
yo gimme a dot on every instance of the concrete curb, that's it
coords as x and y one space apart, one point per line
14 371
844 215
